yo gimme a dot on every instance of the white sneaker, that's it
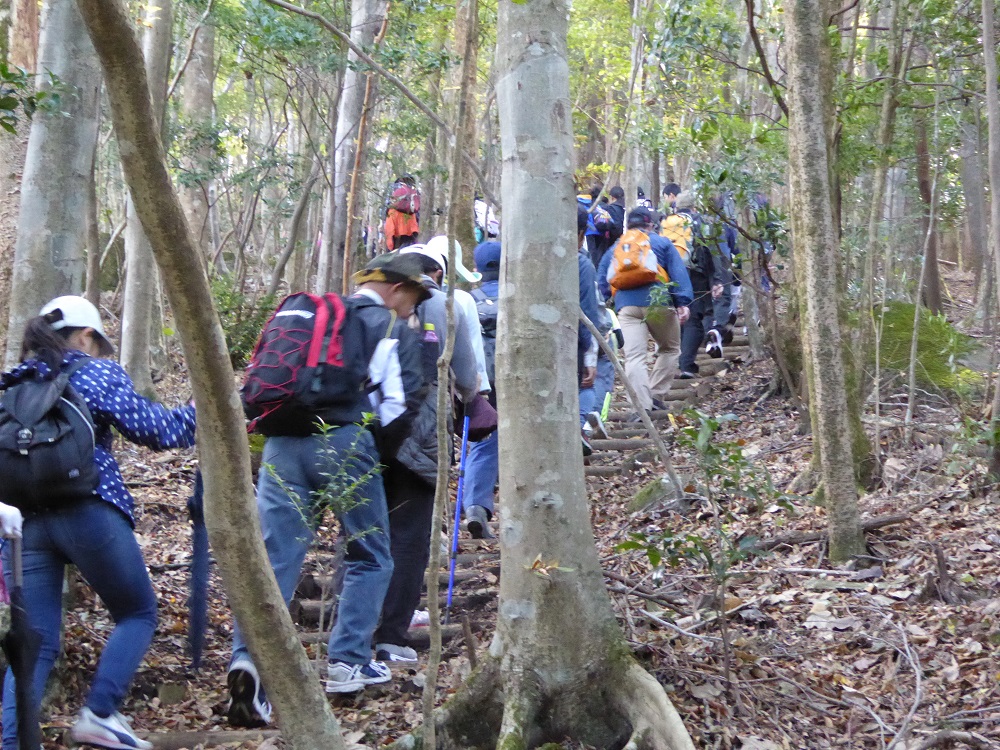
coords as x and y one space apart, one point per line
393 653
113 732
342 677
248 704
596 425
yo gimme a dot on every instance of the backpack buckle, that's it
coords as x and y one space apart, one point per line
24 436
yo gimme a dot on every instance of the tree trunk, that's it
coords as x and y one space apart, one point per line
94 249
52 226
466 38
305 716
930 292
197 115
816 252
141 287
993 149
883 142
23 44
22 51
974 192
548 678
366 19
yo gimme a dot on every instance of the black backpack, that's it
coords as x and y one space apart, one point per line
46 443
488 308
308 359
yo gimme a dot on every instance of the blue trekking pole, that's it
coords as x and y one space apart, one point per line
458 517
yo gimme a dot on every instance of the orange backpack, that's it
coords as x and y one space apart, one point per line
633 263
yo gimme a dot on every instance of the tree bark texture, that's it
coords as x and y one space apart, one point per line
305 717
815 250
197 115
548 677
52 227
974 192
139 323
23 44
930 292
366 19
993 150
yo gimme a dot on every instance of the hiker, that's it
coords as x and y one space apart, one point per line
640 319
708 262
670 192
465 306
593 233
641 200
89 522
608 224
410 478
487 226
587 347
482 469
616 207
299 453
402 214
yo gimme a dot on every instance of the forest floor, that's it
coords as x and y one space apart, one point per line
819 656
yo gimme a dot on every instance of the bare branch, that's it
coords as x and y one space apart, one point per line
395 81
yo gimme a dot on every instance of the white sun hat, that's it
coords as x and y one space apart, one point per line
439 245
78 312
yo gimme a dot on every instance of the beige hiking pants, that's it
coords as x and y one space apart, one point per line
661 324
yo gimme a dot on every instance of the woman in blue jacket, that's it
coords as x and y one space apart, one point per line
94 532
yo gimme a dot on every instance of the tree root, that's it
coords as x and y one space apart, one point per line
656 725
470 718
511 712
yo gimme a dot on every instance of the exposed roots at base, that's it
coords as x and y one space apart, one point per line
486 713
656 725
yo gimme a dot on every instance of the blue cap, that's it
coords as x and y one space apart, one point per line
487 255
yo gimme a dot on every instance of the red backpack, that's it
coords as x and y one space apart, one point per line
405 198
302 365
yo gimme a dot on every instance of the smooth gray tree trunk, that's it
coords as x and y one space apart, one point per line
141 321
548 677
366 19
198 117
52 227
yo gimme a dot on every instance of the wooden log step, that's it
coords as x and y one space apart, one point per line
656 414
625 433
420 638
463 599
633 444
601 471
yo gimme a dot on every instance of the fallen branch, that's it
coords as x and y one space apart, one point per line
806 537
949 736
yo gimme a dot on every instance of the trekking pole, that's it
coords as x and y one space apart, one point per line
458 517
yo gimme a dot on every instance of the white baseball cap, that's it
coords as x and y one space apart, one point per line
78 312
439 247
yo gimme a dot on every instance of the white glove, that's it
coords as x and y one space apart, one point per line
11 521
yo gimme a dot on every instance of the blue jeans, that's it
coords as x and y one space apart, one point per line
587 401
97 538
604 383
482 469
288 526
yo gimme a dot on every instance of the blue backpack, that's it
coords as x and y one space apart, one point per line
488 308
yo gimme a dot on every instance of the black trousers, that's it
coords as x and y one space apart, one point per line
411 510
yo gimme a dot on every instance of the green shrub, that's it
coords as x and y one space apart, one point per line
242 316
939 347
